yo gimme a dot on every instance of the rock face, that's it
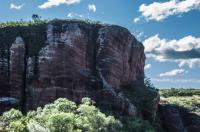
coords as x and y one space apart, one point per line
77 60
178 119
4 68
17 54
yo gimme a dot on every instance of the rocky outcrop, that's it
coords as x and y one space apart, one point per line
178 119
4 70
77 59
17 55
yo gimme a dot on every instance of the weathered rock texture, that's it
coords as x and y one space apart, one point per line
17 54
178 119
76 59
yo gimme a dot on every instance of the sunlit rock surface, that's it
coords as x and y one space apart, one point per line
17 54
76 60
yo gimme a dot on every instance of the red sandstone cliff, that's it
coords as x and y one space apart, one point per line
77 60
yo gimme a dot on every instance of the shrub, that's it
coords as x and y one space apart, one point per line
61 122
61 116
36 127
13 121
179 92
187 98
138 125
11 116
17 126
143 96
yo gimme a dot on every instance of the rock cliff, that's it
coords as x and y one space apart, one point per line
70 59
178 119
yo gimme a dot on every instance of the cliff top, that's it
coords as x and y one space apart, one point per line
23 23
38 28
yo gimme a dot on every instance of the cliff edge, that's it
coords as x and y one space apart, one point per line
72 59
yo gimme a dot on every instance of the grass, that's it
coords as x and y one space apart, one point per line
23 23
188 98
179 92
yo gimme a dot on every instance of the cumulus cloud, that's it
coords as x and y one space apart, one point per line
72 15
161 10
136 20
191 63
16 7
147 66
160 80
185 51
172 73
51 3
92 7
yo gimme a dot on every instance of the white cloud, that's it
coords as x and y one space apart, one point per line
161 10
191 63
172 73
92 7
175 80
69 15
147 66
72 15
136 20
16 7
51 3
185 51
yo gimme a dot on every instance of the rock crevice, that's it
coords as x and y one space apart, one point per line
77 60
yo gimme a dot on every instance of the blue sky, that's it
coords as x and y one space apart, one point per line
169 30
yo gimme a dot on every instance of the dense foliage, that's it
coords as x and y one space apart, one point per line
179 92
22 23
61 116
138 125
188 98
36 20
65 116
143 96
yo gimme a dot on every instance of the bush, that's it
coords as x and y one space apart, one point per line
61 116
144 96
138 125
187 98
179 92
17 126
13 121
11 116
22 23
61 122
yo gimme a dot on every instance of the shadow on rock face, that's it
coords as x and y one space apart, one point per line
70 59
178 119
7 103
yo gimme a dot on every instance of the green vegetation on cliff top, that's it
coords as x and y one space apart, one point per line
22 23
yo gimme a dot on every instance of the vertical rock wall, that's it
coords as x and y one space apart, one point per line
17 54
78 60
4 68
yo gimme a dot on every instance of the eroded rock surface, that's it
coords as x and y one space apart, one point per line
78 60
17 54
178 119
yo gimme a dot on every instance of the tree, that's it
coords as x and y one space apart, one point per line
36 17
61 116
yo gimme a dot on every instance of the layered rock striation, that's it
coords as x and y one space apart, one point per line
71 59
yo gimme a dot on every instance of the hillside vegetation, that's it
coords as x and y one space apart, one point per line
66 116
188 98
